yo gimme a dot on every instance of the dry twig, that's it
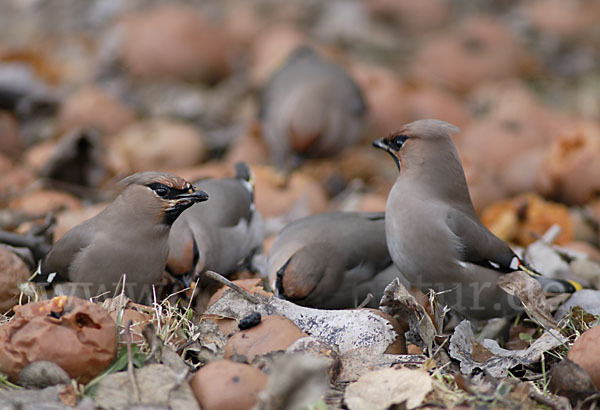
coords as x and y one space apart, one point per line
226 282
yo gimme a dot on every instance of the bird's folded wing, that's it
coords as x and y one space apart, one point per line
237 209
479 246
63 253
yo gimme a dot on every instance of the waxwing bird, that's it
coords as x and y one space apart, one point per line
332 260
310 108
130 237
433 233
220 234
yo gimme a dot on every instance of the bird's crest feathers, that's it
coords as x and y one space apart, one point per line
428 128
145 178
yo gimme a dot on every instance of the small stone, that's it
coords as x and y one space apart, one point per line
42 374
27 399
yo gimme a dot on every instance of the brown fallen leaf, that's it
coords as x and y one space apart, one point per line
530 292
397 301
479 353
495 360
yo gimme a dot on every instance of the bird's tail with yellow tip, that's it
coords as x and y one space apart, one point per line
558 285
548 284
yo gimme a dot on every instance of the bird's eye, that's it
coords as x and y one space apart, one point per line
398 142
162 191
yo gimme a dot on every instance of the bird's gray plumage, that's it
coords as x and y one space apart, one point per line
220 234
310 108
332 260
129 237
433 233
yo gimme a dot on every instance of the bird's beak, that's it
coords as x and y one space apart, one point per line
185 200
193 196
181 202
382 144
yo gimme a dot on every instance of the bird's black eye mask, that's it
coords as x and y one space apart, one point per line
166 192
391 145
